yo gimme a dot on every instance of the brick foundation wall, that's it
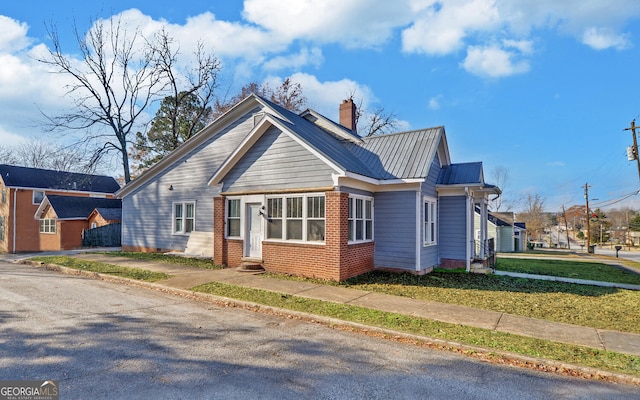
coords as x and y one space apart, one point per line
452 264
142 249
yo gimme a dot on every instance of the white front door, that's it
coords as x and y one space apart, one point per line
254 231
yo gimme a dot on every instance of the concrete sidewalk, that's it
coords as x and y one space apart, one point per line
188 277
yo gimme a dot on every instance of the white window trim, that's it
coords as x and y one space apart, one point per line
33 196
52 226
352 198
305 218
226 218
184 216
427 240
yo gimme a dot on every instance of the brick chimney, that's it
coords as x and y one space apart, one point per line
348 114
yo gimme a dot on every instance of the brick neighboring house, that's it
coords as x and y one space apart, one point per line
23 189
303 195
63 218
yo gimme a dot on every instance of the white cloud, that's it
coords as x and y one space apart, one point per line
353 23
441 27
296 61
556 164
8 138
434 103
325 97
493 62
13 35
602 38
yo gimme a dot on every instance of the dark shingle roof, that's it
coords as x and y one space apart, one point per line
458 174
15 176
70 207
110 214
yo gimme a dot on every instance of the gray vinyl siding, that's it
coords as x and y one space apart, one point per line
429 255
277 162
395 230
506 239
147 212
452 227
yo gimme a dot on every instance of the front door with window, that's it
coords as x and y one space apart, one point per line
254 232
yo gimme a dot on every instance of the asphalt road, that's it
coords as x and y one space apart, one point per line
103 340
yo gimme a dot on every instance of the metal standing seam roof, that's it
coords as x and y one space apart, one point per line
392 156
37 178
69 207
402 155
457 174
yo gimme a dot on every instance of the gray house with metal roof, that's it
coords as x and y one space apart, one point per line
301 194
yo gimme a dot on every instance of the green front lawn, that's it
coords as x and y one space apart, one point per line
569 269
205 263
578 355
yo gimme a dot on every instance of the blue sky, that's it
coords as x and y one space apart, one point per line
543 88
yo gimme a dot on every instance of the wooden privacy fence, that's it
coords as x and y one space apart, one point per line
104 236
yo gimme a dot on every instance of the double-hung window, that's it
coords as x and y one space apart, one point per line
184 217
296 217
4 195
1 228
429 217
48 225
38 196
233 218
360 219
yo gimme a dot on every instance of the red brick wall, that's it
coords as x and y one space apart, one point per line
334 260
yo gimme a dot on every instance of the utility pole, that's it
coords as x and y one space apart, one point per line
635 145
566 228
586 197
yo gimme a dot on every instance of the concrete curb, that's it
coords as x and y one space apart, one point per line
480 353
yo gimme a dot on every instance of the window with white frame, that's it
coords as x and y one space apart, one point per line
360 219
429 218
274 218
4 195
184 217
233 218
48 225
298 217
1 228
38 196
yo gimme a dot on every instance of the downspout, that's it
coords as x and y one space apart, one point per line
468 235
15 192
419 219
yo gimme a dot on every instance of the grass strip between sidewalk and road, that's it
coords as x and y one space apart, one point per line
102 268
592 271
532 347
206 263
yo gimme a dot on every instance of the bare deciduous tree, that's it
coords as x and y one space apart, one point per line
185 109
533 215
38 154
111 89
288 95
373 123
500 178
